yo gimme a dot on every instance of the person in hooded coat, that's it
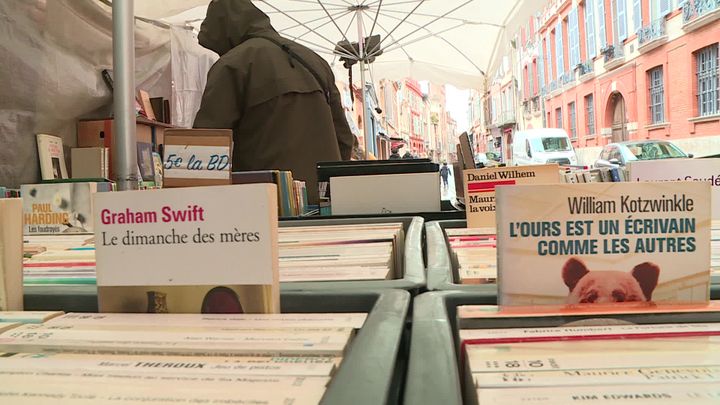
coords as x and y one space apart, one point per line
277 96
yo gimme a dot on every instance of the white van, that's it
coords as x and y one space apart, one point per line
542 145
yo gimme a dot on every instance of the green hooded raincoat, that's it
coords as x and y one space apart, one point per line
280 114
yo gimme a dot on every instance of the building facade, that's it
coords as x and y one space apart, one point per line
615 70
502 101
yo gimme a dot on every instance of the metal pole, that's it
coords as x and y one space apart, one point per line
369 138
124 122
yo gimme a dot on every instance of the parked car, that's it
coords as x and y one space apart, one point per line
541 146
487 159
621 153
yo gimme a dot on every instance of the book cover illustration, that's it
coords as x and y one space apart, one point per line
604 242
59 207
52 157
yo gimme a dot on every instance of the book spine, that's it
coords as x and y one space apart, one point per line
483 361
617 394
599 376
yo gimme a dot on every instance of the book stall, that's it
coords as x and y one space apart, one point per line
146 258
464 352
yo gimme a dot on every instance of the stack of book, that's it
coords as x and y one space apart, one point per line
341 252
178 358
9 192
292 194
307 253
474 251
67 259
602 174
615 362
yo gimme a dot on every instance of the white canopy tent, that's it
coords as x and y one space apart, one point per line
443 41
53 52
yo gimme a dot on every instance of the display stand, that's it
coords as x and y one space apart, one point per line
373 368
83 298
413 279
442 271
434 375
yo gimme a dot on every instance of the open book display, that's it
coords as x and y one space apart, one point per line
183 358
474 251
307 253
341 252
616 362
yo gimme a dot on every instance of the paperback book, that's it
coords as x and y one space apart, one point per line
480 188
603 242
53 208
190 250
52 157
11 287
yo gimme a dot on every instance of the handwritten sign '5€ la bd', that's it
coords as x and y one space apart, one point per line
197 162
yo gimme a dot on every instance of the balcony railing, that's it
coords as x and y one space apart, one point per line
553 85
506 118
536 104
614 55
567 77
651 32
585 67
526 107
694 9
612 52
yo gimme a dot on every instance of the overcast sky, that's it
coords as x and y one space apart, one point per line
457 105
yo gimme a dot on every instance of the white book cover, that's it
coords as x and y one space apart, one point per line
113 388
480 361
287 320
177 365
633 375
52 157
480 188
188 250
704 170
36 338
520 335
603 242
385 193
696 394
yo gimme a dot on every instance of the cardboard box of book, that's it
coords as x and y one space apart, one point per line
197 157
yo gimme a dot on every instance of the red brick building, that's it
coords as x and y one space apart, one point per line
613 70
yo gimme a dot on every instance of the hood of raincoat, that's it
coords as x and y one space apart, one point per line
229 23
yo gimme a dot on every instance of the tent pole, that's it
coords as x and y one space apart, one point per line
124 122
368 132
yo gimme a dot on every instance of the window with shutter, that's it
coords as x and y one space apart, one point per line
637 15
621 19
559 57
664 7
574 40
541 70
549 59
590 28
601 22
